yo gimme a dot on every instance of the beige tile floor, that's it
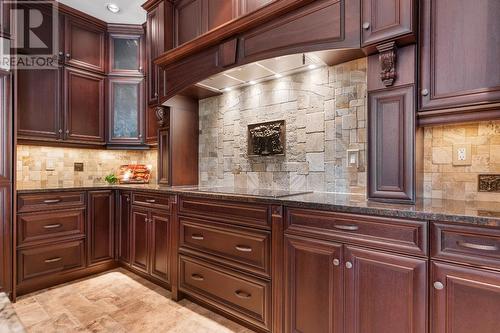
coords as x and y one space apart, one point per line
116 301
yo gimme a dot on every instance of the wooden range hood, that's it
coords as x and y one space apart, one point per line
330 28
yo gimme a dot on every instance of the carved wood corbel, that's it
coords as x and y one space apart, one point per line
161 113
387 58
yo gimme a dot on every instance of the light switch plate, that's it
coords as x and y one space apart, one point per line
462 154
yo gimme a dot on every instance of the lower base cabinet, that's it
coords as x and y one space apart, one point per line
335 288
101 223
464 299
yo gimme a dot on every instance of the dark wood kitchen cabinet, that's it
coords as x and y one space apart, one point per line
125 111
464 299
248 6
459 67
84 107
84 45
188 20
152 126
100 226
4 19
384 20
139 239
314 286
126 50
123 227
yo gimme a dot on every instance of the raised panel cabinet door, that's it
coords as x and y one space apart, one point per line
5 127
383 20
464 299
100 226
151 126
84 106
459 54
39 104
126 110
248 6
4 19
218 12
155 46
5 238
139 239
391 156
126 54
313 286
123 236
188 20
160 244
384 293
84 45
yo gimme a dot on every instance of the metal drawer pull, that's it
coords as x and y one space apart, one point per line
197 277
52 226
242 294
51 201
150 200
346 227
48 261
478 246
242 248
197 237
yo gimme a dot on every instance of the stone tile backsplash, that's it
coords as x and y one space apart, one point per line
52 166
443 180
325 115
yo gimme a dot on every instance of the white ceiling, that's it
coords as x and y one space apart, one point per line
130 12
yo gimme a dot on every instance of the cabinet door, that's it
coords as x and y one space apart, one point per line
459 54
385 293
248 6
39 104
188 20
384 20
151 126
126 110
139 239
100 230
5 128
5 238
160 244
4 19
84 45
123 237
84 106
155 46
126 54
464 300
218 12
313 286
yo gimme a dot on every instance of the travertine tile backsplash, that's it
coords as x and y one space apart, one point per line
325 114
446 181
52 167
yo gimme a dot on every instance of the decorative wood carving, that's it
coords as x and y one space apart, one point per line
162 115
489 183
266 139
387 58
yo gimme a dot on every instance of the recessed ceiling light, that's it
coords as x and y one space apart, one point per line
253 82
112 7
312 66
278 75
227 89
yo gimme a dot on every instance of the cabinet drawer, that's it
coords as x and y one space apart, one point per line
235 246
150 200
47 225
245 297
45 260
49 201
407 236
227 211
465 244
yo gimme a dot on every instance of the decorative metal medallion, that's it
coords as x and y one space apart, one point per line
489 183
265 139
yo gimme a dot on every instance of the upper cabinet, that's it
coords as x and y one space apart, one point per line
459 61
218 12
4 19
188 20
126 54
248 6
84 45
383 20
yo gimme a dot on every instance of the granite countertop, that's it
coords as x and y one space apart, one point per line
469 212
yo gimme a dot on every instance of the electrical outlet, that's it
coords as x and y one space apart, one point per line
353 158
78 167
462 154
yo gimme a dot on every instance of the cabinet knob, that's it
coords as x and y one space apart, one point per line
67 131
348 265
424 92
68 55
60 131
336 262
140 135
156 94
61 53
438 285
366 25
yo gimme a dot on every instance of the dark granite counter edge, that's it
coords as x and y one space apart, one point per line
405 211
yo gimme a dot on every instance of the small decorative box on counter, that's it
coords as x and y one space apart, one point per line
134 174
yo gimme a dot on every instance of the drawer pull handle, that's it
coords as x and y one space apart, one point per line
197 237
243 248
243 294
346 227
48 261
478 246
150 200
51 201
52 226
197 277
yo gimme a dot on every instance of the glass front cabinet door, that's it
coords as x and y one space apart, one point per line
126 54
126 111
